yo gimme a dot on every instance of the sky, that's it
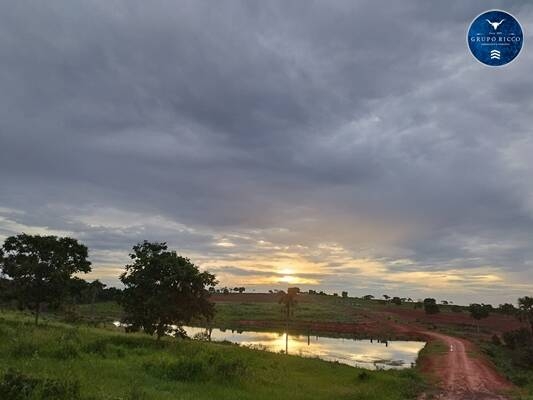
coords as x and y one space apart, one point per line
329 145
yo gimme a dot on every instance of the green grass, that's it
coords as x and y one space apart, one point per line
325 309
503 359
80 362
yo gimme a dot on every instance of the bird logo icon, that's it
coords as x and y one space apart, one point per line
495 25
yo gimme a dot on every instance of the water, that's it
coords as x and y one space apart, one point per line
370 354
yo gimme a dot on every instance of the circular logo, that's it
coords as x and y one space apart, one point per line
495 38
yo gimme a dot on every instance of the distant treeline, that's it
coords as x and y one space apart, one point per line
76 291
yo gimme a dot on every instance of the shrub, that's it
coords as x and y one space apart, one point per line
67 351
518 338
23 348
17 386
363 376
199 366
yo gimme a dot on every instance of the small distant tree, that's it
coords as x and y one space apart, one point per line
430 306
241 289
507 309
525 310
396 300
368 297
386 296
444 302
456 309
164 289
344 294
41 268
288 300
478 312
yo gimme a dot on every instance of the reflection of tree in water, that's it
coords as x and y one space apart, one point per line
289 302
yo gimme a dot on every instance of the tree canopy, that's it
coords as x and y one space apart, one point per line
163 289
41 267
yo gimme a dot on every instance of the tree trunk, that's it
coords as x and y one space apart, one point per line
37 311
93 300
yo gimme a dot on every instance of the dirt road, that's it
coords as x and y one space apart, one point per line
464 375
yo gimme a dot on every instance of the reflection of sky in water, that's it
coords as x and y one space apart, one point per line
360 353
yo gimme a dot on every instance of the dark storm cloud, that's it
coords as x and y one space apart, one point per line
302 123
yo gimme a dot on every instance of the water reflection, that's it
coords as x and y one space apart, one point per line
370 354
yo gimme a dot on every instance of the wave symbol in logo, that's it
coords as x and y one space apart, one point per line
495 55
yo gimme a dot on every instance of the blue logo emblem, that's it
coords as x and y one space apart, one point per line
495 38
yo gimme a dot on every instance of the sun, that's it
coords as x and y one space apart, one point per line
288 279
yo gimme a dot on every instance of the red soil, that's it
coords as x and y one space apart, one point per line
461 375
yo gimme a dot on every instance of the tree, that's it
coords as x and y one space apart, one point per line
478 312
396 300
344 294
386 296
289 302
507 309
430 306
368 297
163 289
525 310
41 267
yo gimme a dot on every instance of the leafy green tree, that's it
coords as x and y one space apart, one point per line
163 289
41 267
430 306
344 294
478 312
525 310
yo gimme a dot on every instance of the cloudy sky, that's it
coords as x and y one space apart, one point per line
346 145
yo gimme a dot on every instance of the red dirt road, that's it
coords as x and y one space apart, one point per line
463 375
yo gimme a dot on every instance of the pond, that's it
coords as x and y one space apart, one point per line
370 354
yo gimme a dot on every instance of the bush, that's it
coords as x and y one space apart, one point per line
518 338
23 348
200 366
363 376
17 386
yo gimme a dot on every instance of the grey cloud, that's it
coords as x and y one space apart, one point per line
298 124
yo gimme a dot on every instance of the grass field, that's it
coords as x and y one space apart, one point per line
136 367
61 361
